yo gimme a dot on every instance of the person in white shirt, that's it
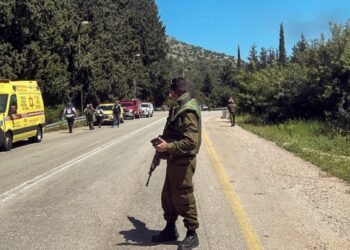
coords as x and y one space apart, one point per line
70 113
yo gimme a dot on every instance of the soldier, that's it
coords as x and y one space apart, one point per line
231 109
89 113
180 141
116 114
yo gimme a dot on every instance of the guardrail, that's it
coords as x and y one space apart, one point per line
57 124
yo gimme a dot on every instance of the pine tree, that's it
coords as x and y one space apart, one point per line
271 57
253 61
282 56
299 49
263 58
207 87
38 44
239 61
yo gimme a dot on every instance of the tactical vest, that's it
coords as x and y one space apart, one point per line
172 130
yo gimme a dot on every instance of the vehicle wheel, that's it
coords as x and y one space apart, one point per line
38 137
8 142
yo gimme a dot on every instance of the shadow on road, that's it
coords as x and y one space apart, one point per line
140 236
18 145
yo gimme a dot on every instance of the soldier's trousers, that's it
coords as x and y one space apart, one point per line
232 117
177 195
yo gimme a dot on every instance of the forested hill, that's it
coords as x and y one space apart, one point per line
187 52
97 47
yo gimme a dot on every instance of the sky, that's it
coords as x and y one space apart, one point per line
223 25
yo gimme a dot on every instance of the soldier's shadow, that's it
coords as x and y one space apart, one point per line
140 235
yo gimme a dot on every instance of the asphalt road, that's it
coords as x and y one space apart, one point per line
86 190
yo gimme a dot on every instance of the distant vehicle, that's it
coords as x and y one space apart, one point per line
131 108
204 107
147 109
22 114
108 112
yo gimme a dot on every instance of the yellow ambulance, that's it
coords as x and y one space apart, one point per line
21 112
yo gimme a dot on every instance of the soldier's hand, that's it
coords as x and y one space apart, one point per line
162 146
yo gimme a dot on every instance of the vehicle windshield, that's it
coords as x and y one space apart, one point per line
3 103
144 105
104 108
126 104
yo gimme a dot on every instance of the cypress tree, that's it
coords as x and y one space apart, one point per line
282 56
239 61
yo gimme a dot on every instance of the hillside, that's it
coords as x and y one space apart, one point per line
186 52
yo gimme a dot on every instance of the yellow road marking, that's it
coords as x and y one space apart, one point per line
250 237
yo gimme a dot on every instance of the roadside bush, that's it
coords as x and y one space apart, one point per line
53 114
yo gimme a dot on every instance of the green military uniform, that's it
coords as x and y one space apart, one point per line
232 113
183 135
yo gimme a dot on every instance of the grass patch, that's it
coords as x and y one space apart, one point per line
314 141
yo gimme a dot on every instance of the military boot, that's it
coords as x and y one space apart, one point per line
169 233
191 241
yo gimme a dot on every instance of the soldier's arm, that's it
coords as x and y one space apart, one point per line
190 138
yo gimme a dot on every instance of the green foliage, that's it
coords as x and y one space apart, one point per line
314 85
53 114
99 46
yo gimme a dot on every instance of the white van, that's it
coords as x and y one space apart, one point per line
147 109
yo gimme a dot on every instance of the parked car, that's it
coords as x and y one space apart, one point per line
108 112
131 108
147 109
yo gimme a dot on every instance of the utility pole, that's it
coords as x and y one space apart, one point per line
81 84
134 80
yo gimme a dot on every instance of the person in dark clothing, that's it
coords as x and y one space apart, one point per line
116 114
70 113
89 113
180 141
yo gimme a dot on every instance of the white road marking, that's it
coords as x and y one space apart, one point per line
40 178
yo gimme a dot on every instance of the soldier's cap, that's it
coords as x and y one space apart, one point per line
179 84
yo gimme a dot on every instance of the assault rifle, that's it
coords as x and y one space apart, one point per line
155 163
156 160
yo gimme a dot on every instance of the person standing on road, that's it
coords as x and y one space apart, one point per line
232 111
180 141
99 116
70 113
89 113
116 114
